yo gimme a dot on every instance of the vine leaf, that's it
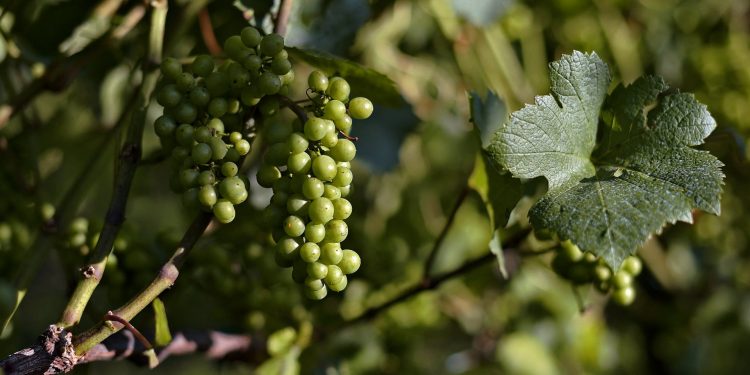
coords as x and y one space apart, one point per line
497 188
642 174
364 81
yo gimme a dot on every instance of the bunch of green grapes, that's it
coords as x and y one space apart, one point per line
308 167
205 111
584 268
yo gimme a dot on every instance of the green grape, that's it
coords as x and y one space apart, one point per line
331 192
334 109
216 126
338 89
218 107
317 270
315 232
224 211
316 295
206 178
312 188
299 163
632 265
203 65
314 284
336 231
342 209
201 153
334 275
199 96
602 272
571 251
238 76
202 134
277 154
317 81
180 153
287 249
321 211
269 83
343 124
282 55
280 66
315 128
171 68
235 137
217 83
207 196
267 175
331 253
169 96
269 106
79 225
297 143
242 147
233 189
360 108
278 132
185 82
324 168
185 112
164 126
218 148
294 226
232 155
309 252
250 36
229 169
188 178
622 280
345 150
330 140
341 285
271 44
350 262
234 47
297 205
343 177
252 63
624 296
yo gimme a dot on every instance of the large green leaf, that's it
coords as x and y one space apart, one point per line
642 174
364 81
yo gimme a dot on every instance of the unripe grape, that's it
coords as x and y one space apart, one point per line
216 126
203 65
341 285
331 192
224 211
343 177
345 151
360 108
299 163
234 47
278 132
232 155
294 226
199 96
185 82
217 83
297 142
330 140
321 211
317 270
624 296
277 154
233 189
338 89
267 175
316 295
317 81
602 272
164 126
350 262
201 153
218 148
571 251
206 178
632 265
271 44
324 168
269 106
207 196
171 68
185 112
334 276
314 284
218 107
344 124
342 209
250 36
315 232
169 96
269 83
242 147
235 137
315 128
309 252
312 188
287 248
229 169
334 109
331 253
202 134
280 66
252 63
188 178
622 280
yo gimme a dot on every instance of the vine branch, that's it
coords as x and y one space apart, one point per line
282 17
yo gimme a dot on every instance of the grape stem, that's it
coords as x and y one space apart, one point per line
138 335
129 157
293 106
430 283
282 17
207 32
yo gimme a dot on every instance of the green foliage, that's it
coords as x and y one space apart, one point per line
643 173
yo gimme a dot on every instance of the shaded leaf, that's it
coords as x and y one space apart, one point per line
364 81
487 115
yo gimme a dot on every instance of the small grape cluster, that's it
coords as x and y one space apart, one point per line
308 167
205 110
583 268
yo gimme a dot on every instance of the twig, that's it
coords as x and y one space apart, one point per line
146 344
431 283
207 32
294 107
282 17
166 278
441 237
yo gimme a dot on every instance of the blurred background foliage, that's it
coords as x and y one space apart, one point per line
692 314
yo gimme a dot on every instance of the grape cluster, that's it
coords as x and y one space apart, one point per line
205 109
583 268
308 167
